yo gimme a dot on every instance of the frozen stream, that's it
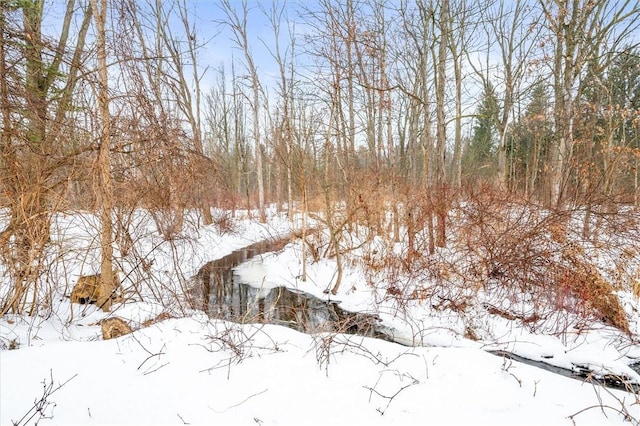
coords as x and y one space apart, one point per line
222 294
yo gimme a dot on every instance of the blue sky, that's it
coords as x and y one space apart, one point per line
220 48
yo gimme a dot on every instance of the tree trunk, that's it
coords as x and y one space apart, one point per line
441 142
105 194
30 173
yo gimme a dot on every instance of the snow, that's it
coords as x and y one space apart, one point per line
596 349
274 375
193 369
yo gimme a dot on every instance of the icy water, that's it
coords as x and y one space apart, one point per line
220 293
580 373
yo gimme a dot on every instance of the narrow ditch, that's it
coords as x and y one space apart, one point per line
220 293
578 372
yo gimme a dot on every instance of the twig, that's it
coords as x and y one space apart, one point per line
625 414
390 398
155 369
622 410
148 358
240 403
40 405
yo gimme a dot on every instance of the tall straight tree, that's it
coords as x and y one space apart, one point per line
185 86
161 89
105 191
461 16
238 25
219 113
441 133
515 42
286 85
417 84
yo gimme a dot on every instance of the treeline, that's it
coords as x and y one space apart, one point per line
397 106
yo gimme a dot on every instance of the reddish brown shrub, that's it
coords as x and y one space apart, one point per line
590 294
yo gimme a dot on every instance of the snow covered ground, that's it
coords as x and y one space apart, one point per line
603 349
190 369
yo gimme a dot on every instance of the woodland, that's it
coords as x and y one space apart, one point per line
482 128
461 176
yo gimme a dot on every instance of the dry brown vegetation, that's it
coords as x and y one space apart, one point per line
114 327
368 128
91 289
520 261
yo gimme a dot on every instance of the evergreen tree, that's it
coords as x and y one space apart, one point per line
530 140
623 81
481 152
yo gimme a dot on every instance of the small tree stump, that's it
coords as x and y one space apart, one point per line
114 327
89 290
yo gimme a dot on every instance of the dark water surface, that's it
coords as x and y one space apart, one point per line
222 295
219 292
579 373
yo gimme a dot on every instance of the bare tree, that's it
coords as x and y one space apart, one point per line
238 25
578 29
511 31
441 136
38 102
162 98
186 92
105 192
283 129
221 111
460 17
417 83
